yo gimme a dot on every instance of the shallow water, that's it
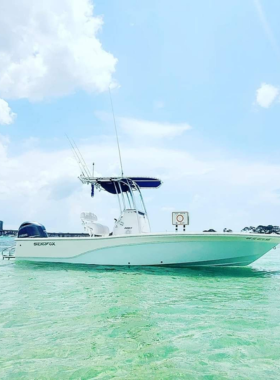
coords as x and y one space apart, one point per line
60 321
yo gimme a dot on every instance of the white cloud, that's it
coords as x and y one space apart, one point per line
6 115
50 48
217 193
266 95
167 209
30 143
145 128
137 128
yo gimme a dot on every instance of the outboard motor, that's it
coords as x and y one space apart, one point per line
32 230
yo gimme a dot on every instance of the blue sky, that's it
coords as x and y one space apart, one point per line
195 87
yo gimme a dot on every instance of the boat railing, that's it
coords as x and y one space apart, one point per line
8 252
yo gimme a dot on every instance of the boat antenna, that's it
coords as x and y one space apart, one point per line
117 137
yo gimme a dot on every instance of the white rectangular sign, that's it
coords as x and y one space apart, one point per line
181 218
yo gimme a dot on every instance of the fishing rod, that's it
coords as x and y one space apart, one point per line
79 158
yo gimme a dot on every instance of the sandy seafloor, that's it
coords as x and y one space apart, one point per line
62 321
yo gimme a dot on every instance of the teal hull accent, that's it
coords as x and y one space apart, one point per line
241 261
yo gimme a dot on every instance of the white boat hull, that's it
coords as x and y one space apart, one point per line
169 249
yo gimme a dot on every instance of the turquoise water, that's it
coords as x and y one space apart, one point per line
60 321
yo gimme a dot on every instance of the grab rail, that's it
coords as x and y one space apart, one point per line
8 252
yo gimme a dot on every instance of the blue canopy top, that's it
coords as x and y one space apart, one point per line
118 184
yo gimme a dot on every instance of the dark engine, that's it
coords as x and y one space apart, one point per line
32 230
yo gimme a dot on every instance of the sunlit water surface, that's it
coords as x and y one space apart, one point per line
79 322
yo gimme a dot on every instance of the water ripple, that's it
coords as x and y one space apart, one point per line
60 321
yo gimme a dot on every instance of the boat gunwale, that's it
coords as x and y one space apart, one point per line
250 236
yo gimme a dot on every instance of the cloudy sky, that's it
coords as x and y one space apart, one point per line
195 86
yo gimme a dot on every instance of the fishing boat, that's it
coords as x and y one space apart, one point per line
131 242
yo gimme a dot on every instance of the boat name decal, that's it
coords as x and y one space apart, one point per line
45 243
255 238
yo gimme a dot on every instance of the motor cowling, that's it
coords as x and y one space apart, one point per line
32 230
